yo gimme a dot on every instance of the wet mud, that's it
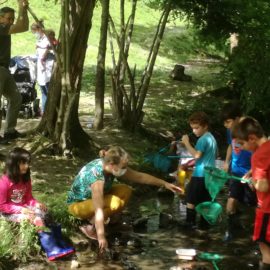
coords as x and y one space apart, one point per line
148 234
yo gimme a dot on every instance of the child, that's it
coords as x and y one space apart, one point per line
51 36
250 136
204 152
16 199
17 203
45 61
238 163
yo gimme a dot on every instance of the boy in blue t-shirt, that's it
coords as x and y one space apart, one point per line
204 152
238 163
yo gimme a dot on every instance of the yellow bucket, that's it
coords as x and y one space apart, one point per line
183 178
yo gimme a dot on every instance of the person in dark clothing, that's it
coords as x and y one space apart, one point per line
8 86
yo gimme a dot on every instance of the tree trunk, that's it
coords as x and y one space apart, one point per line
120 98
61 121
134 97
100 74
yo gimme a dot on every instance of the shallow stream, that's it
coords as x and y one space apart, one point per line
145 239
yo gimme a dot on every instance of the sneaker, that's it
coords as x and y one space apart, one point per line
89 231
13 135
3 140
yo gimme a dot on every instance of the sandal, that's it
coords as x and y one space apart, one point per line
89 231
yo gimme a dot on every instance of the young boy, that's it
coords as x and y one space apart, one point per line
205 153
250 135
238 163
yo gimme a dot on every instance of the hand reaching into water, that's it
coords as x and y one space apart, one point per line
103 244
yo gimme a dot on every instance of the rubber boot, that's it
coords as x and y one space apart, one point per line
51 246
234 225
264 266
57 232
190 223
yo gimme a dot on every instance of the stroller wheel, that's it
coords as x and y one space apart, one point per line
36 108
4 113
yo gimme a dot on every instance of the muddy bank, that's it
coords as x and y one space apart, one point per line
143 238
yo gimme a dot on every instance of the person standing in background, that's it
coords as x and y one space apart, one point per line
45 61
8 86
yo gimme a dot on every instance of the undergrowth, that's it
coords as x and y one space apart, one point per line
19 241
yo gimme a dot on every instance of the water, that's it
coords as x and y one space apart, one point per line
152 247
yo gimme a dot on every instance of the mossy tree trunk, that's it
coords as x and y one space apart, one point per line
61 120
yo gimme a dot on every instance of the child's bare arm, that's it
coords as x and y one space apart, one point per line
196 154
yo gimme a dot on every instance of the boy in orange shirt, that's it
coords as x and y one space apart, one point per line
250 135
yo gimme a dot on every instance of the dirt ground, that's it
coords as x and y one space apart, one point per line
149 245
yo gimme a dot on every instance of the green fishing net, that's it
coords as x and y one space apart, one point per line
212 257
215 180
211 211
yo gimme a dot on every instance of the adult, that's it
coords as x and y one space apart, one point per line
45 60
8 86
94 198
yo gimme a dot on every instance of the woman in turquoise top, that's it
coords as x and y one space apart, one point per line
94 198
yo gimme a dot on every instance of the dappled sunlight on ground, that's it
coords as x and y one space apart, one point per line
52 176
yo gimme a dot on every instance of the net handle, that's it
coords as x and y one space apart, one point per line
215 265
212 260
180 156
229 176
247 181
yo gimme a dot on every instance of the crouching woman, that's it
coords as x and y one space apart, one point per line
94 198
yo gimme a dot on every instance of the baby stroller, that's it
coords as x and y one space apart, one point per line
22 69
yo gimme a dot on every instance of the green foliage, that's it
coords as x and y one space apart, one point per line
18 241
179 44
60 214
248 65
26 241
48 11
250 71
7 238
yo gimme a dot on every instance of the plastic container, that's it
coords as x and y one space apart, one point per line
181 174
186 254
183 178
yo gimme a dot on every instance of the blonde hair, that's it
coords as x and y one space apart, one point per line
114 155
